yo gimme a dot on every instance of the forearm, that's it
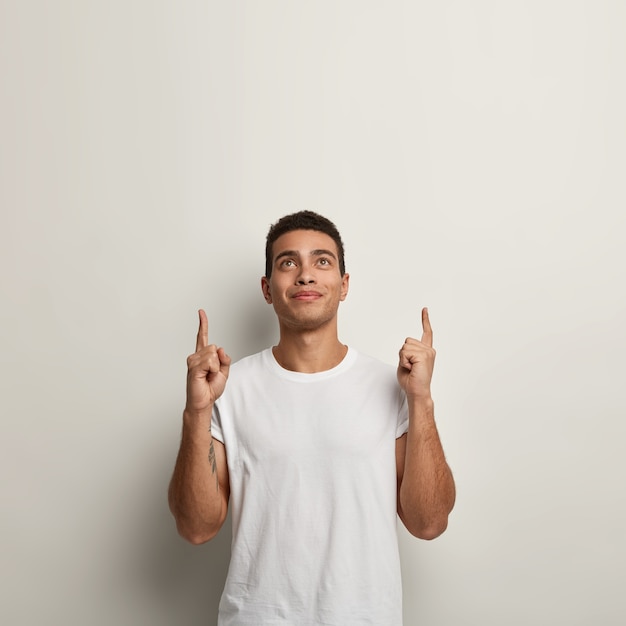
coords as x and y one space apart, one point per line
197 496
426 492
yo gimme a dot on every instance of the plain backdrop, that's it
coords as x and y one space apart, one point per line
473 155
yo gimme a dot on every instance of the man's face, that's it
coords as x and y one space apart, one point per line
306 285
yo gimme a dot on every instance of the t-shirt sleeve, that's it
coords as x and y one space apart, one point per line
216 424
403 416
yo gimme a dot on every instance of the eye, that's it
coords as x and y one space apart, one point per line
288 263
324 261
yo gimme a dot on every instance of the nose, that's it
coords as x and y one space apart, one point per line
305 276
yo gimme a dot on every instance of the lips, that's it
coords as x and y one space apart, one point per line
307 295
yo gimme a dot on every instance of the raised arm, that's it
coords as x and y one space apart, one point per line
199 489
426 490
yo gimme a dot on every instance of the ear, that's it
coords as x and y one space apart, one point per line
345 284
265 287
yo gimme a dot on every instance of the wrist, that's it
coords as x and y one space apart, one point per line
424 400
197 420
421 409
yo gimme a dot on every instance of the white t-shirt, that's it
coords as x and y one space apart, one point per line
311 461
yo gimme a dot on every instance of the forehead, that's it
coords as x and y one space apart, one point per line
303 242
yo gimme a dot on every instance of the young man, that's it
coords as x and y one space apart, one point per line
316 447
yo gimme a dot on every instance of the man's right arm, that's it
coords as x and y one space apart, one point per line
199 489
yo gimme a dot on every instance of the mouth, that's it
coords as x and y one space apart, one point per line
306 296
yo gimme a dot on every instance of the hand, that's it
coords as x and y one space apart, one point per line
207 371
417 360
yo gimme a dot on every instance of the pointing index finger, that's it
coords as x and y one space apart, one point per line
202 340
427 334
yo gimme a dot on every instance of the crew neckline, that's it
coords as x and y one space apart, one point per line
309 377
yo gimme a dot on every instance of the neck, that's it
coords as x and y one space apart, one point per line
311 352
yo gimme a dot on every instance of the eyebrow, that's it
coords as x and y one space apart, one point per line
295 253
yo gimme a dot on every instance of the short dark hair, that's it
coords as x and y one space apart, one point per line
302 220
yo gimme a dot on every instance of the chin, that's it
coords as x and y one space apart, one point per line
311 323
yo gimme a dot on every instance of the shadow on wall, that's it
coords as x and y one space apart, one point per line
175 582
183 582
249 324
192 578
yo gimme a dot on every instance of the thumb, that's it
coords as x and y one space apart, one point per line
225 361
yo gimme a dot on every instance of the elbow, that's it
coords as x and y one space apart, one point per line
430 531
425 528
196 537
425 521
195 530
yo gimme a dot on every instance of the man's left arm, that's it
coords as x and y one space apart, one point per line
426 490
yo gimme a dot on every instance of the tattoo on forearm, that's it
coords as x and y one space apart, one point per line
213 463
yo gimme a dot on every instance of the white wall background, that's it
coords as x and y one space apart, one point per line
473 155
